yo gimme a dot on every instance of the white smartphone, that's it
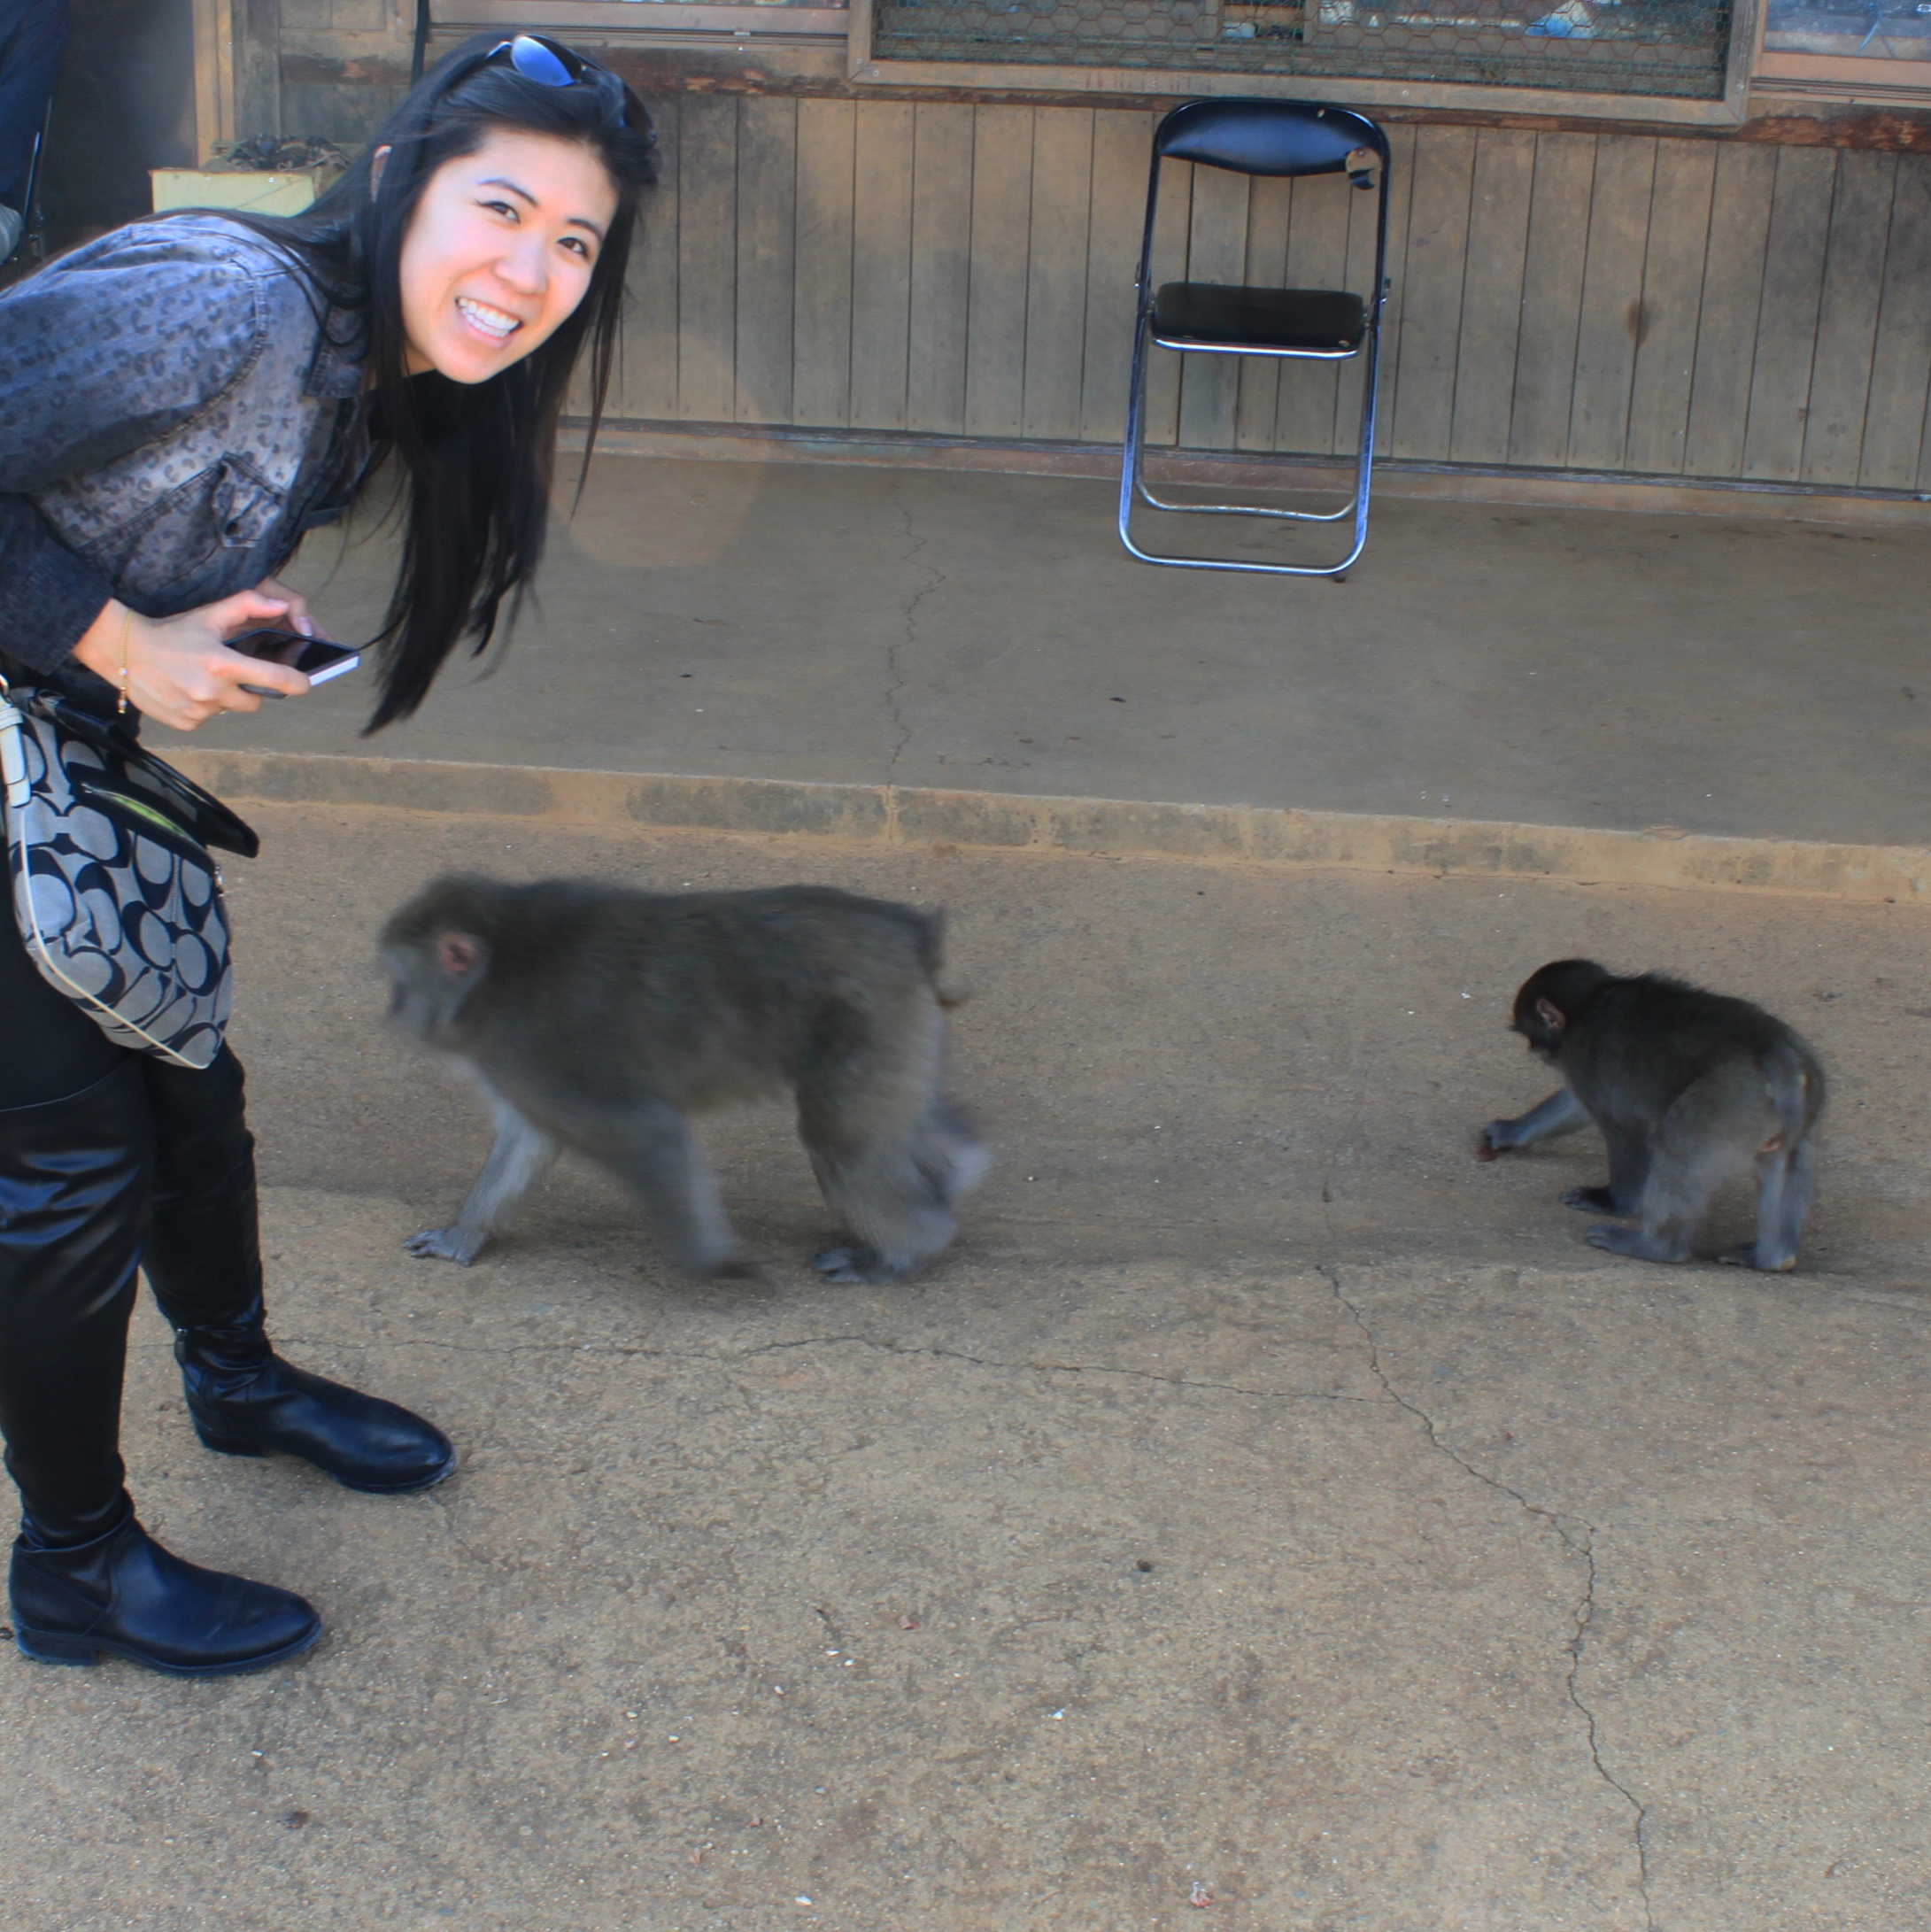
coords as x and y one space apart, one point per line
316 659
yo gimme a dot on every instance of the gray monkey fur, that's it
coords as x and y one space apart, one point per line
601 1019
1689 1089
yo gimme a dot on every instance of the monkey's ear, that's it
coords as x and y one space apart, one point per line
1550 1015
458 953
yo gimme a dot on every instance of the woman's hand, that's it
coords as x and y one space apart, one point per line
180 671
300 617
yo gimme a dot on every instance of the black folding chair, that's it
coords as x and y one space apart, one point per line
32 243
1211 318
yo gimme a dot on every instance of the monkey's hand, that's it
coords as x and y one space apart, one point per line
1495 1140
858 1264
447 1244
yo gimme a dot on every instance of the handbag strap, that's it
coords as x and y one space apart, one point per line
210 821
12 752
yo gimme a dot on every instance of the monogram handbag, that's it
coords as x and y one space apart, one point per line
114 889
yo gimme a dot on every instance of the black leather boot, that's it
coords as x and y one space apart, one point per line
123 1593
203 1259
245 1399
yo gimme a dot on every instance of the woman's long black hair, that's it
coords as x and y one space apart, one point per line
478 457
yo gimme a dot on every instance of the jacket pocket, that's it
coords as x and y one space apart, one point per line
228 506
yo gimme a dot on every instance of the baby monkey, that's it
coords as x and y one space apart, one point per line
1688 1088
602 1019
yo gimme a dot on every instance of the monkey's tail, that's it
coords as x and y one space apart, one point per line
931 955
1797 1091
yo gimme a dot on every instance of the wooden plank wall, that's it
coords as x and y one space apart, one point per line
1605 301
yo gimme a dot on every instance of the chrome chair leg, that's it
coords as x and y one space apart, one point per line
1133 483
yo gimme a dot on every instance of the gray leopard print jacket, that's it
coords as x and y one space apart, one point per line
177 407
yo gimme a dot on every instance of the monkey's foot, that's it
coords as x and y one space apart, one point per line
853 1264
1634 1243
1745 1256
441 1244
1590 1200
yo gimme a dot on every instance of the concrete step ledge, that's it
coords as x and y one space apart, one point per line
912 815
1243 470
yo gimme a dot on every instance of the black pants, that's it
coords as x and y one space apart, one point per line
108 1160
32 34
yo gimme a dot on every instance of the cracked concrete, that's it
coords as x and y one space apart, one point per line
895 671
1582 1547
1263 1495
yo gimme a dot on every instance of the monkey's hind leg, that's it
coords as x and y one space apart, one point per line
652 1149
519 1157
1690 1154
1785 1181
893 1190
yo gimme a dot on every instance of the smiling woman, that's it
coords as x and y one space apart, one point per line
484 238
180 401
502 249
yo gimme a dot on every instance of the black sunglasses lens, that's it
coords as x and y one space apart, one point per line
535 62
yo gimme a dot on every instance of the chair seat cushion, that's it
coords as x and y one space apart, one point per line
1329 321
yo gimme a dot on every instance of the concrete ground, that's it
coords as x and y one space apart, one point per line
1264 1509
930 627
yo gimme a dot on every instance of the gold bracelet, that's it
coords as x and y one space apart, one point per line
126 625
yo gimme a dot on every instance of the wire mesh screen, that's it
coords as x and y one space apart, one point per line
1661 47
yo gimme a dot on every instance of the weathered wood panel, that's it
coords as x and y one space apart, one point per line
1402 151
882 266
707 163
767 258
1787 321
1605 302
1002 254
648 388
1498 243
1847 319
1544 369
1672 304
822 280
1894 423
1424 365
1121 144
941 268
1611 311
1732 296
1056 275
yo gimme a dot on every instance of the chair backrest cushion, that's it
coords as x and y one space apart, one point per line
1267 137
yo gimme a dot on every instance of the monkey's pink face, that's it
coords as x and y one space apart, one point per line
431 979
1540 1026
458 954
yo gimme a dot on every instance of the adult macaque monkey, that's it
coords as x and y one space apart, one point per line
1688 1088
601 1019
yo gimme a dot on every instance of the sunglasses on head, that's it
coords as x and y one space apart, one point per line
547 62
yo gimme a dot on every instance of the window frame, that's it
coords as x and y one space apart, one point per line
1839 77
622 21
1728 110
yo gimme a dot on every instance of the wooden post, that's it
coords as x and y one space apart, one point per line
214 75
257 66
